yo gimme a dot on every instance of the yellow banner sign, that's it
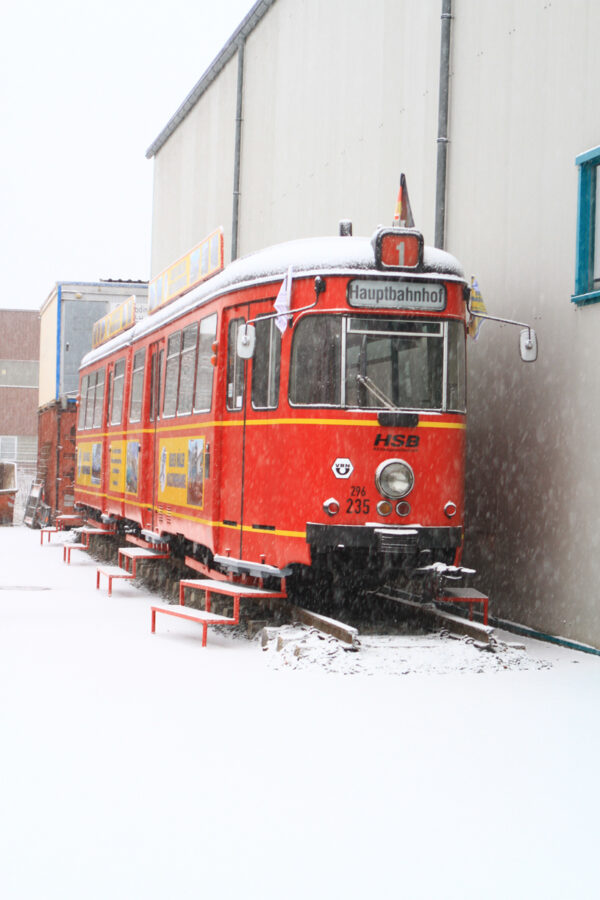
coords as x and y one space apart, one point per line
89 464
181 471
119 319
203 261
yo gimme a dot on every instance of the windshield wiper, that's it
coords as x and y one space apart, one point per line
376 391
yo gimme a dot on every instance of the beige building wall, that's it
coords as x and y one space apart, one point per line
330 120
523 106
193 175
339 98
332 117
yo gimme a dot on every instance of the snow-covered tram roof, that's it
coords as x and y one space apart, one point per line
306 257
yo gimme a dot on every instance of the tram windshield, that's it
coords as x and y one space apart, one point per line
378 363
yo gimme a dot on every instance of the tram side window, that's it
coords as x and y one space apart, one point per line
456 390
235 368
116 410
266 365
99 400
172 374
316 362
205 371
137 386
91 395
186 373
82 402
156 366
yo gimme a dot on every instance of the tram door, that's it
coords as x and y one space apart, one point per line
157 352
106 452
251 397
232 435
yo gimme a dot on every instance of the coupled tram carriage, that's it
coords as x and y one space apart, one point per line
301 412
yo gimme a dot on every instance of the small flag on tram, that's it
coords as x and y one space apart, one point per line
403 217
282 303
476 305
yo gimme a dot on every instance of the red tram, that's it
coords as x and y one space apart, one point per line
326 434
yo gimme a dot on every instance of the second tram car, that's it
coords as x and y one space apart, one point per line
327 431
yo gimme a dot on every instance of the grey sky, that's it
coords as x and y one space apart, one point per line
85 87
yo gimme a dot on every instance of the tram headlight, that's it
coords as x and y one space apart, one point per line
394 478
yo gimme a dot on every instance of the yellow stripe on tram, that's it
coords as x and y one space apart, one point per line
238 423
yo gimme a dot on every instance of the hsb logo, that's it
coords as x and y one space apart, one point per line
396 441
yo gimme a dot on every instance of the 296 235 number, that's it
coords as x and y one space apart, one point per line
358 505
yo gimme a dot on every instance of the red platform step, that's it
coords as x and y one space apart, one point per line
206 617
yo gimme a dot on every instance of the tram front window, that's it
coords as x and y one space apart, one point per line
375 363
394 363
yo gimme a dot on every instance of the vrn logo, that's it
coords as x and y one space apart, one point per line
342 467
395 441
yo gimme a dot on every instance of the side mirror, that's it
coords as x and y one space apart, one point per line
528 347
246 341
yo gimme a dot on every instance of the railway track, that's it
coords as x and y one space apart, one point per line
434 618
383 612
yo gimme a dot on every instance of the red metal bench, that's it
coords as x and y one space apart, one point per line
127 556
68 548
62 523
111 572
48 531
133 554
86 532
465 595
206 617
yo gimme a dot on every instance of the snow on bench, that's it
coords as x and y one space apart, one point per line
228 588
88 531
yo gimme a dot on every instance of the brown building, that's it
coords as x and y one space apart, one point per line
56 455
19 378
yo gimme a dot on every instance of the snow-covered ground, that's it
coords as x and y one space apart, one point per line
143 766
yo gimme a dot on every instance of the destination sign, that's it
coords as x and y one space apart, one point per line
379 294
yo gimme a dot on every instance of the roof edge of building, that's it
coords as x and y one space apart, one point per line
258 11
107 282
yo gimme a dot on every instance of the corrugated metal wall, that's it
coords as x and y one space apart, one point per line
523 105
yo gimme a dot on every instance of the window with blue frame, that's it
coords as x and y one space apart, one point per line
587 271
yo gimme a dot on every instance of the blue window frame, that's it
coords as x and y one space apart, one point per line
587 262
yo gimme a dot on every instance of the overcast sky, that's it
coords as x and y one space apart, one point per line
85 88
